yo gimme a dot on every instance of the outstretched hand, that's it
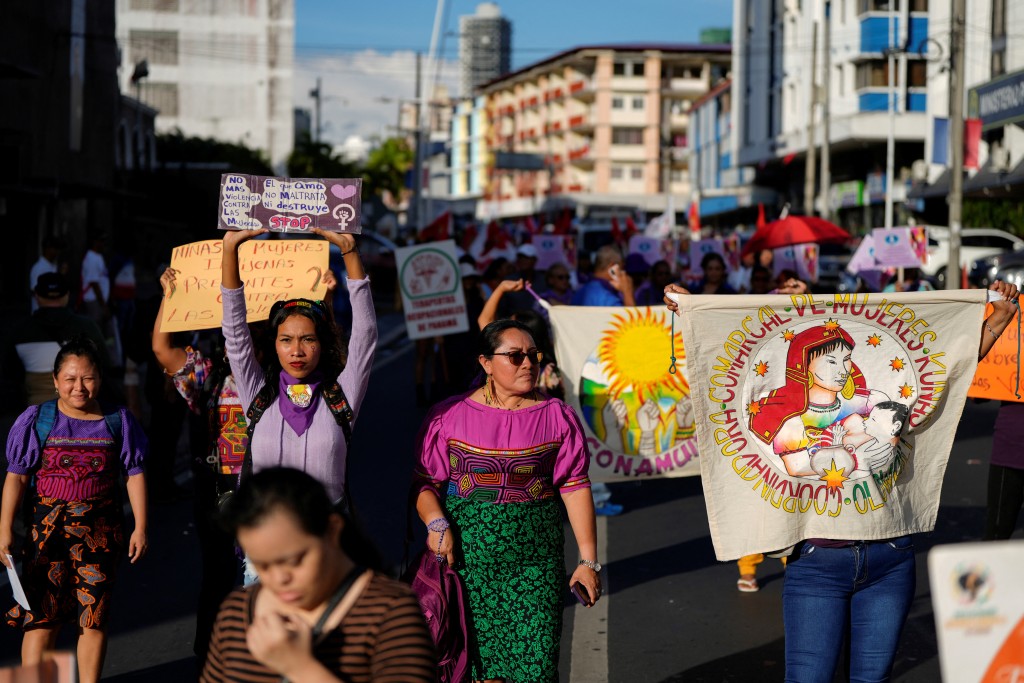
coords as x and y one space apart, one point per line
1006 307
167 281
674 289
345 241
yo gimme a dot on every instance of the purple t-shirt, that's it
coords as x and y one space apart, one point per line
75 463
1008 436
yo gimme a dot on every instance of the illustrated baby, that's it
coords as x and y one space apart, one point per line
871 439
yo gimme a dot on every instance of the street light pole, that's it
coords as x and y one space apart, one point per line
890 145
315 93
956 139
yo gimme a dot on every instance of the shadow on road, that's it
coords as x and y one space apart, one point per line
181 670
763 663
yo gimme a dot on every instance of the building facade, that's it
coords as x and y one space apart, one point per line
485 47
218 69
600 129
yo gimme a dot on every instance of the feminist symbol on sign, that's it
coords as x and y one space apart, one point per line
343 213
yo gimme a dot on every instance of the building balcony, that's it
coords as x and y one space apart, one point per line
580 156
877 99
875 33
581 122
582 89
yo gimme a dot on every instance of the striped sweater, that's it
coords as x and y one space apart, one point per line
383 638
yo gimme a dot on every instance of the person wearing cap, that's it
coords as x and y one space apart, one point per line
526 270
47 263
35 341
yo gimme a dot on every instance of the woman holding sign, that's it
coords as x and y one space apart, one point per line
304 397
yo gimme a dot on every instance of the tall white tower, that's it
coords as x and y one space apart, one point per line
485 46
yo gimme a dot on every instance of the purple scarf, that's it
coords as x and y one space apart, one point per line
297 417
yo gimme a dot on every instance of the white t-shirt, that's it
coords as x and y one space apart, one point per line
94 269
41 266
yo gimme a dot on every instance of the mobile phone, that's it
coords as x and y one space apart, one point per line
581 594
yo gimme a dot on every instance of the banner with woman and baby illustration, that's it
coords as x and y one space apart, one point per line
826 415
635 407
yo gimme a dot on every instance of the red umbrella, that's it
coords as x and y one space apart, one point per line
794 230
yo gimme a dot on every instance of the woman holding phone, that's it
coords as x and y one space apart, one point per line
492 464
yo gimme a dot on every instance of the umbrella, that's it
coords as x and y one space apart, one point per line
794 230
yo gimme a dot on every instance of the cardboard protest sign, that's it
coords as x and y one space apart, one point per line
897 248
432 296
826 415
636 413
783 258
648 247
978 600
272 270
251 202
996 376
550 251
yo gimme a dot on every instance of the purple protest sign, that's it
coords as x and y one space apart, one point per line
896 248
251 202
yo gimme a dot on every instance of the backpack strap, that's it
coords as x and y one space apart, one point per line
335 399
44 421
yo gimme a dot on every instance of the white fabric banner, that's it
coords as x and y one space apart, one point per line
615 364
826 415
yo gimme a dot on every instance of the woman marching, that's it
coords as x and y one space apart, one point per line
491 464
289 424
77 451
316 615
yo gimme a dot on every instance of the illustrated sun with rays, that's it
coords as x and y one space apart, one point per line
629 350
628 395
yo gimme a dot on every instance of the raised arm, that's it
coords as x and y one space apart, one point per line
237 338
170 357
1002 313
490 311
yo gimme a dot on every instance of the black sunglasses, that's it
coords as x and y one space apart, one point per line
517 357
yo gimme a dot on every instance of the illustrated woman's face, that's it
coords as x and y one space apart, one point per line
830 370
298 348
292 564
77 382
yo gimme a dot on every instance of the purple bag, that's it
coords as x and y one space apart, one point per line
443 602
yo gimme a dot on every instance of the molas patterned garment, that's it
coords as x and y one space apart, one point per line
826 416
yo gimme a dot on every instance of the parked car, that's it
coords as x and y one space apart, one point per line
975 243
1012 272
984 271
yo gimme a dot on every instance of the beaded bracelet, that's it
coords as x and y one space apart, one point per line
439 525
350 251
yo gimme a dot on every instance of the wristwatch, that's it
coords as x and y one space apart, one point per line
593 564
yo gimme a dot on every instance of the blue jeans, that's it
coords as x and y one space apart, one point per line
865 589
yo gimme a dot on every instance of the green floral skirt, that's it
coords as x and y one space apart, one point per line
511 560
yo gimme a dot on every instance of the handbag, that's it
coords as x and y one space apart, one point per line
443 603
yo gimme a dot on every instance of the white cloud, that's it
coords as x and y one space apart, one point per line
353 85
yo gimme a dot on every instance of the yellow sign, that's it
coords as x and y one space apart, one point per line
272 270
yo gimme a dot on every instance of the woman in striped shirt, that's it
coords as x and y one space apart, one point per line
315 615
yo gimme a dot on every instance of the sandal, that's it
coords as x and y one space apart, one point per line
747 585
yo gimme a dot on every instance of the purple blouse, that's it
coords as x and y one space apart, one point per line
1008 436
74 465
320 451
474 451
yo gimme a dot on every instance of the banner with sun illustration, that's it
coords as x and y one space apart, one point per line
616 364
826 416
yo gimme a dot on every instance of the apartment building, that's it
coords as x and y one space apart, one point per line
596 128
216 68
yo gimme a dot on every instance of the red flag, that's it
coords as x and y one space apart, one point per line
693 216
531 226
631 228
972 137
616 231
468 235
438 229
564 223
761 222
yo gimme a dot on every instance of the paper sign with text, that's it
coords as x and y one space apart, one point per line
550 251
252 202
648 247
978 600
431 290
897 248
996 376
272 270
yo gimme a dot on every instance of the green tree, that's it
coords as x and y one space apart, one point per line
176 147
316 160
387 166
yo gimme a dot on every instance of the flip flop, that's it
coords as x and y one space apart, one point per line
747 585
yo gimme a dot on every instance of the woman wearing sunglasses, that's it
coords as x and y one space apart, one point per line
492 464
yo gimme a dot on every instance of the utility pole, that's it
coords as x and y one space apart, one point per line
826 96
956 139
315 94
890 145
417 176
811 152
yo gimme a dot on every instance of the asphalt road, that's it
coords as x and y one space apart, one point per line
673 612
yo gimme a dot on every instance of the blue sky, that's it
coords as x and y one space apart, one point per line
365 51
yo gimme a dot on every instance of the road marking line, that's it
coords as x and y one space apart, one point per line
589 663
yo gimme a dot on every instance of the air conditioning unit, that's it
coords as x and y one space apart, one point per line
999 158
919 170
